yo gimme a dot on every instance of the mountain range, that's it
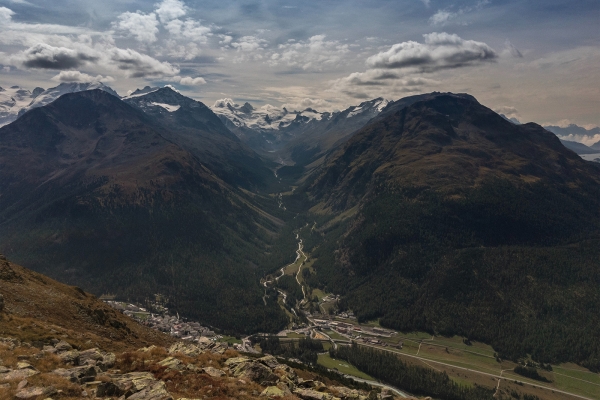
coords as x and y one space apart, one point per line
15 101
97 193
428 213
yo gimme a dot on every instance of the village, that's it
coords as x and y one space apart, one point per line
169 324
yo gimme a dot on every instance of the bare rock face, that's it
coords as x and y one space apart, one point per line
34 392
1 303
78 374
156 391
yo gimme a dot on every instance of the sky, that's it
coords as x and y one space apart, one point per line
531 60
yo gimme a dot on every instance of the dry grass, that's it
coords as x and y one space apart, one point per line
38 309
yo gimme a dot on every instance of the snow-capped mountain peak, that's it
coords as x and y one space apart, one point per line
49 95
372 105
13 99
267 117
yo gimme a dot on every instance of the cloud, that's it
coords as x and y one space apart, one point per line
511 50
426 2
440 51
187 51
249 44
188 29
443 17
44 56
6 15
509 111
588 140
315 53
189 81
137 65
143 27
171 9
376 82
77 76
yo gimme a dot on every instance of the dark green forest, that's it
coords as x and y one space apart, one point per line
515 267
416 380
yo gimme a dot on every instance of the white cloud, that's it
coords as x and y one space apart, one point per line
509 111
511 51
77 76
249 44
6 15
186 51
188 29
426 2
315 53
143 27
440 51
171 9
441 17
585 139
189 81
137 65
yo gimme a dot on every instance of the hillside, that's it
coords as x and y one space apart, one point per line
442 216
37 308
59 341
193 126
91 183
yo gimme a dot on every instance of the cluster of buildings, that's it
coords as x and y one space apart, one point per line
172 325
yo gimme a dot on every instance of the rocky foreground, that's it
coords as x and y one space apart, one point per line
207 369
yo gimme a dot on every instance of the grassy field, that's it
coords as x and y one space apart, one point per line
342 366
480 357
319 293
335 335
230 339
294 335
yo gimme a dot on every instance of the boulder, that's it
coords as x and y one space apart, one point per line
94 356
17 374
187 349
35 392
132 382
272 392
269 361
147 349
108 389
156 391
172 364
232 362
286 375
345 393
24 365
63 346
214 372
70 357
256 372
78 374
309 394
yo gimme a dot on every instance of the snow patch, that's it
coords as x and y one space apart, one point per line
168 107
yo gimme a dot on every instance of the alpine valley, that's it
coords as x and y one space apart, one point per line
429 215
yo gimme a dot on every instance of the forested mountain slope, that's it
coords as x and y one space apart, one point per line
463 223
194 127
94 193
